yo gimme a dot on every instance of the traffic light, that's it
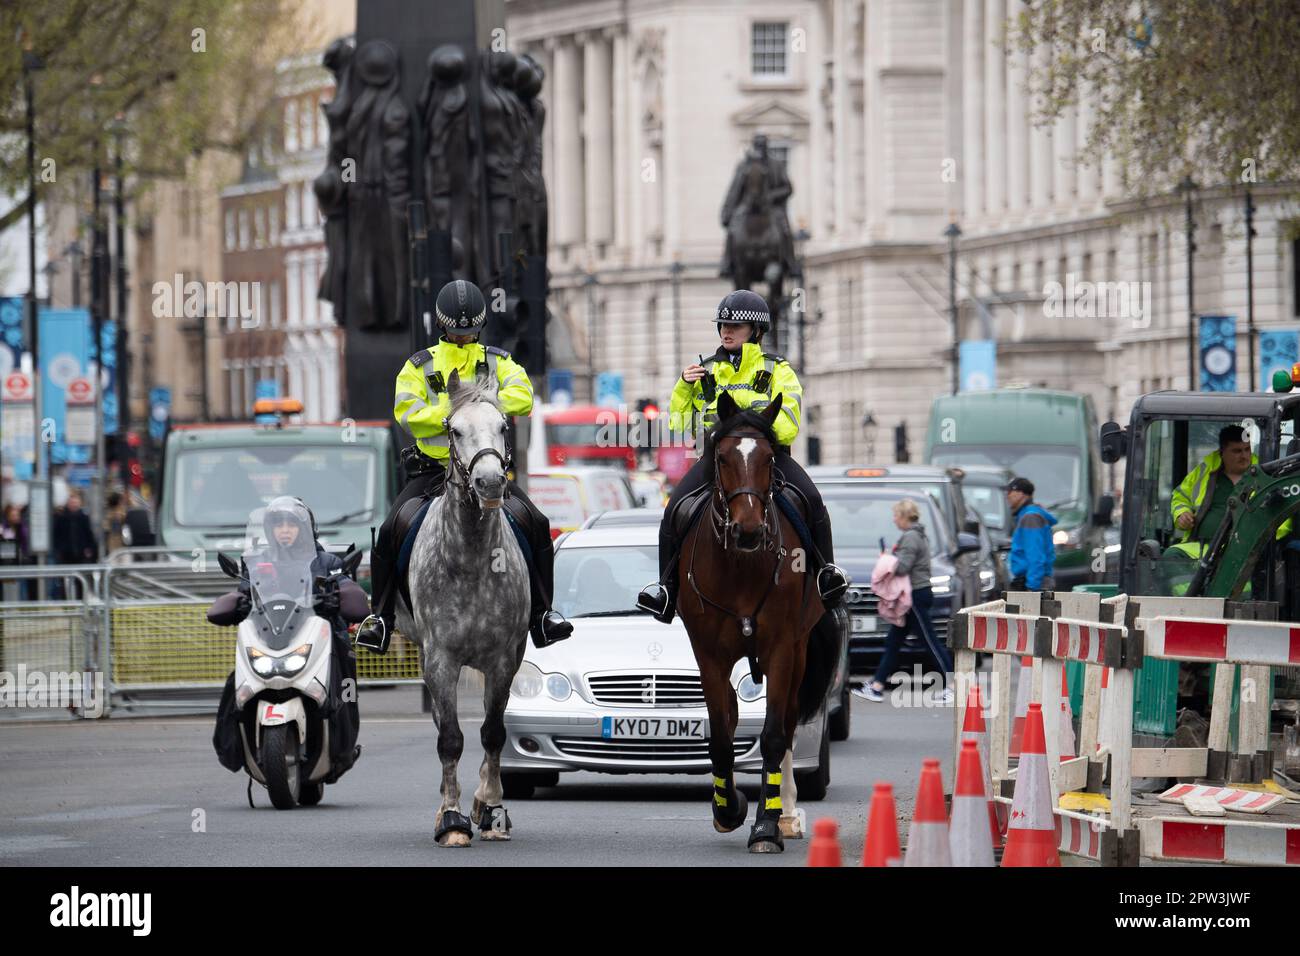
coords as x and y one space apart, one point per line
648 408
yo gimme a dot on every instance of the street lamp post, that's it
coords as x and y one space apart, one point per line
1250 290
1187 187
953 232
118 129
39 509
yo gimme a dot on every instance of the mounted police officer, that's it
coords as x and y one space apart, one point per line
421 405
754 378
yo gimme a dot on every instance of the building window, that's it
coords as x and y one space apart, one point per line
291 126
767 49
309 217
259 228
243 229
230 229
268 145
291 207
275 303
273 223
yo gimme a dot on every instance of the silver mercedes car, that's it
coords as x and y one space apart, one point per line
622 694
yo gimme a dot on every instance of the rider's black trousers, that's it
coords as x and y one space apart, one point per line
819 521
383 560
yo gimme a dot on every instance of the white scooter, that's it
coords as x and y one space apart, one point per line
283 656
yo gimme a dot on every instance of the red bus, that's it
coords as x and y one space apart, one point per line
590 435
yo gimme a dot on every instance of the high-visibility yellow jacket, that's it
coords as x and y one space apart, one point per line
421 402
753 378
1196 492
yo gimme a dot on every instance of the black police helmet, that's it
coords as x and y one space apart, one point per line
460 308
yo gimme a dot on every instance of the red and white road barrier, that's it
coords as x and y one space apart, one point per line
1082 640
1079 837
1234 642
1230 798
1010 633
1238 843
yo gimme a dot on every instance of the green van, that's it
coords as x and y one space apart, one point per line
1049 437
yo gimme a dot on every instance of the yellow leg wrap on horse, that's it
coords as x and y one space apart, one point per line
719 799
772 803
774 779
720 782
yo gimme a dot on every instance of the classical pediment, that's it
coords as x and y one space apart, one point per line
770 114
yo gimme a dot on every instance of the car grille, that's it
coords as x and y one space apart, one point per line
861 600
646 690
664 751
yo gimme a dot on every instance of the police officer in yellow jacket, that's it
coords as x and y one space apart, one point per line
420 404
754 378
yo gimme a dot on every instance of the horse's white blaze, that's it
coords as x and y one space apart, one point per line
747 446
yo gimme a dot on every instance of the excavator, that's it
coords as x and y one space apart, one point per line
1255 554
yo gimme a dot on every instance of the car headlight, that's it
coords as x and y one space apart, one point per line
987 577
748 691
1067 539
528 682
939 583
558 686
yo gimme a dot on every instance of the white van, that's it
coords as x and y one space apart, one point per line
568 496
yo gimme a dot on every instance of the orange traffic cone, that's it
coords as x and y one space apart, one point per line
1031 831
824 850
1023 686
969 839
881 848
927 837
1065 736
973 729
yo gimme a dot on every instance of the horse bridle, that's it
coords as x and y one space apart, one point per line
721 524
720 506
462 470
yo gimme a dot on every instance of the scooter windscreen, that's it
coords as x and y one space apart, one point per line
278 559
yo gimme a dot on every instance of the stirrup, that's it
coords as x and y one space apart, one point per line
549 628
832 582
373 634
657 599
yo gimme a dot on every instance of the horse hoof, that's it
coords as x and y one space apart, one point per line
454 838
451 828
765 836
794 827
736 822
492 836
766 846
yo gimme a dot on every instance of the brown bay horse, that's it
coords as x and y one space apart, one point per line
748 593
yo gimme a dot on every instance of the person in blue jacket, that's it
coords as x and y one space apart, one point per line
1032 550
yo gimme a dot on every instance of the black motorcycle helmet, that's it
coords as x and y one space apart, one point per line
745 306
461 308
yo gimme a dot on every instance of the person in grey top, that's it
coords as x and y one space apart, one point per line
913 553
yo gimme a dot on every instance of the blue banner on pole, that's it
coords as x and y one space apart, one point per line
559 386
978 364
1218 341
160 412
1278 349
609 389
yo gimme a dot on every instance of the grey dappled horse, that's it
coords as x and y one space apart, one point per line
469 590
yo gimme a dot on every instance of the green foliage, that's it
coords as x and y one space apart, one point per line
182 75
1214 94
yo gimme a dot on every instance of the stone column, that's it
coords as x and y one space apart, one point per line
1017 125
622 140
1064 174
995 116
973 108
597 115
567 196
1040 146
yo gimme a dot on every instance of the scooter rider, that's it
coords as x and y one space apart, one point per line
290 529
421 405
754 378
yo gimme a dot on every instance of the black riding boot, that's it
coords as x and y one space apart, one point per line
376 631
545 625
832 582
660 598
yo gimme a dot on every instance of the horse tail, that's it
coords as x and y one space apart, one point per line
825 649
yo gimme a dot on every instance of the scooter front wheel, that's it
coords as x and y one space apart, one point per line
280 765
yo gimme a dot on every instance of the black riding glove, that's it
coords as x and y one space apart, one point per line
327 602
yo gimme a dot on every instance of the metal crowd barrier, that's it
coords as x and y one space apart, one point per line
140 627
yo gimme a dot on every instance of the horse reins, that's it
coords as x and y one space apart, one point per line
462 470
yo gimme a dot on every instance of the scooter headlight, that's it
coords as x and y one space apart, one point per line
297 660
262 663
